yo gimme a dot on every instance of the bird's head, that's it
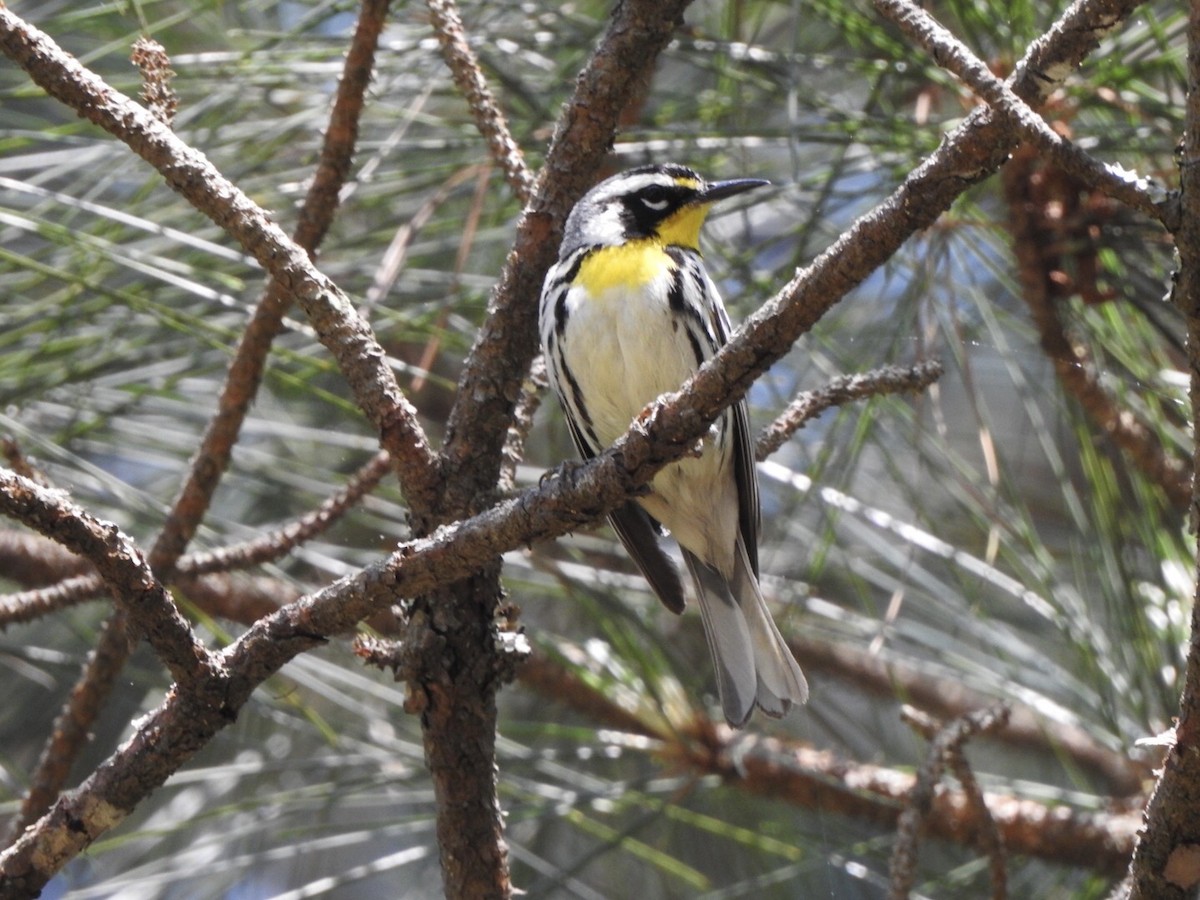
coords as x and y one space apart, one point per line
663 202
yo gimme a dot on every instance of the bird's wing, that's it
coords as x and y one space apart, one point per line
639 533
749 508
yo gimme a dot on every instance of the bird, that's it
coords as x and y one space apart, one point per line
627 313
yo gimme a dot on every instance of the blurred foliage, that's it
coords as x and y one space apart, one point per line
983 532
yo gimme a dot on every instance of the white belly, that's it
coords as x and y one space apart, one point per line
625 352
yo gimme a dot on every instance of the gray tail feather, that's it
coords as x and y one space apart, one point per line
753 663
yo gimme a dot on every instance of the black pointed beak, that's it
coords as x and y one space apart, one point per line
719 190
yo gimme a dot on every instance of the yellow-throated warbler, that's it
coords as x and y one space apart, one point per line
629 313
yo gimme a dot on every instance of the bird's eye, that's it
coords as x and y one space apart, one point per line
655 198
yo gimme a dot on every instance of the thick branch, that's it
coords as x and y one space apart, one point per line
1166 864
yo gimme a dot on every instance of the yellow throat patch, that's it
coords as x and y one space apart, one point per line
641 261
682 227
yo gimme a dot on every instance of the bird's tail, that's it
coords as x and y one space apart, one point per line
753 663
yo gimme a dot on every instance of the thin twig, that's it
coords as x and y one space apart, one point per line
989 838
37 603
532 393
947 740
470 228
991 842
280 542
954 56
468 76
26 606
118 561
844 389
391 263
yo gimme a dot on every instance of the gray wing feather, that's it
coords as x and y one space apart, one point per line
753 663
639 533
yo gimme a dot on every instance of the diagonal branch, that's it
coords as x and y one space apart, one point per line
468 77
844 389
187 171
970 153
121 565
954 56
278 543
191 568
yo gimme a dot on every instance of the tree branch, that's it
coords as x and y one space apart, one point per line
187 171
1166 863
190 571
468 77
280 542
844 389
122 567
1074 369
954 56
